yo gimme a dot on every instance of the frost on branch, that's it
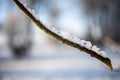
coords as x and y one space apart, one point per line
82 43
32 11
70 37
67 38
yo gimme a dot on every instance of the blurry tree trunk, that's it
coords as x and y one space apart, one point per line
105 15
19 34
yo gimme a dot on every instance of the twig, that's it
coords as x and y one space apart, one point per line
65 41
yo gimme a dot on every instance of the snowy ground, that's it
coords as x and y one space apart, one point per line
51 63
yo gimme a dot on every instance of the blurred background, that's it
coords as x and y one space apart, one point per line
27 53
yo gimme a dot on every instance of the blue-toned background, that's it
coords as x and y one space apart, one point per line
27 53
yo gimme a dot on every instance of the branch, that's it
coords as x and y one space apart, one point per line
91 52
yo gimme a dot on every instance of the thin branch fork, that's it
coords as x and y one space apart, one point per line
65 41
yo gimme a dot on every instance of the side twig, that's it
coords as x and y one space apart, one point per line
65 41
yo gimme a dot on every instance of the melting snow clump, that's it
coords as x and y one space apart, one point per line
102 53
88 45
95 49
83 43
65 35
76 40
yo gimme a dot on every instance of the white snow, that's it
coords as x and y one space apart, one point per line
68 36
76 40
32 11
83 43
88 45
95 49
25 5
54 30
65 35
98 51
102 53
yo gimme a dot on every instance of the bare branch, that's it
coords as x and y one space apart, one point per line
61 39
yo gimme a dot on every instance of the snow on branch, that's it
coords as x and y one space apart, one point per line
67 38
